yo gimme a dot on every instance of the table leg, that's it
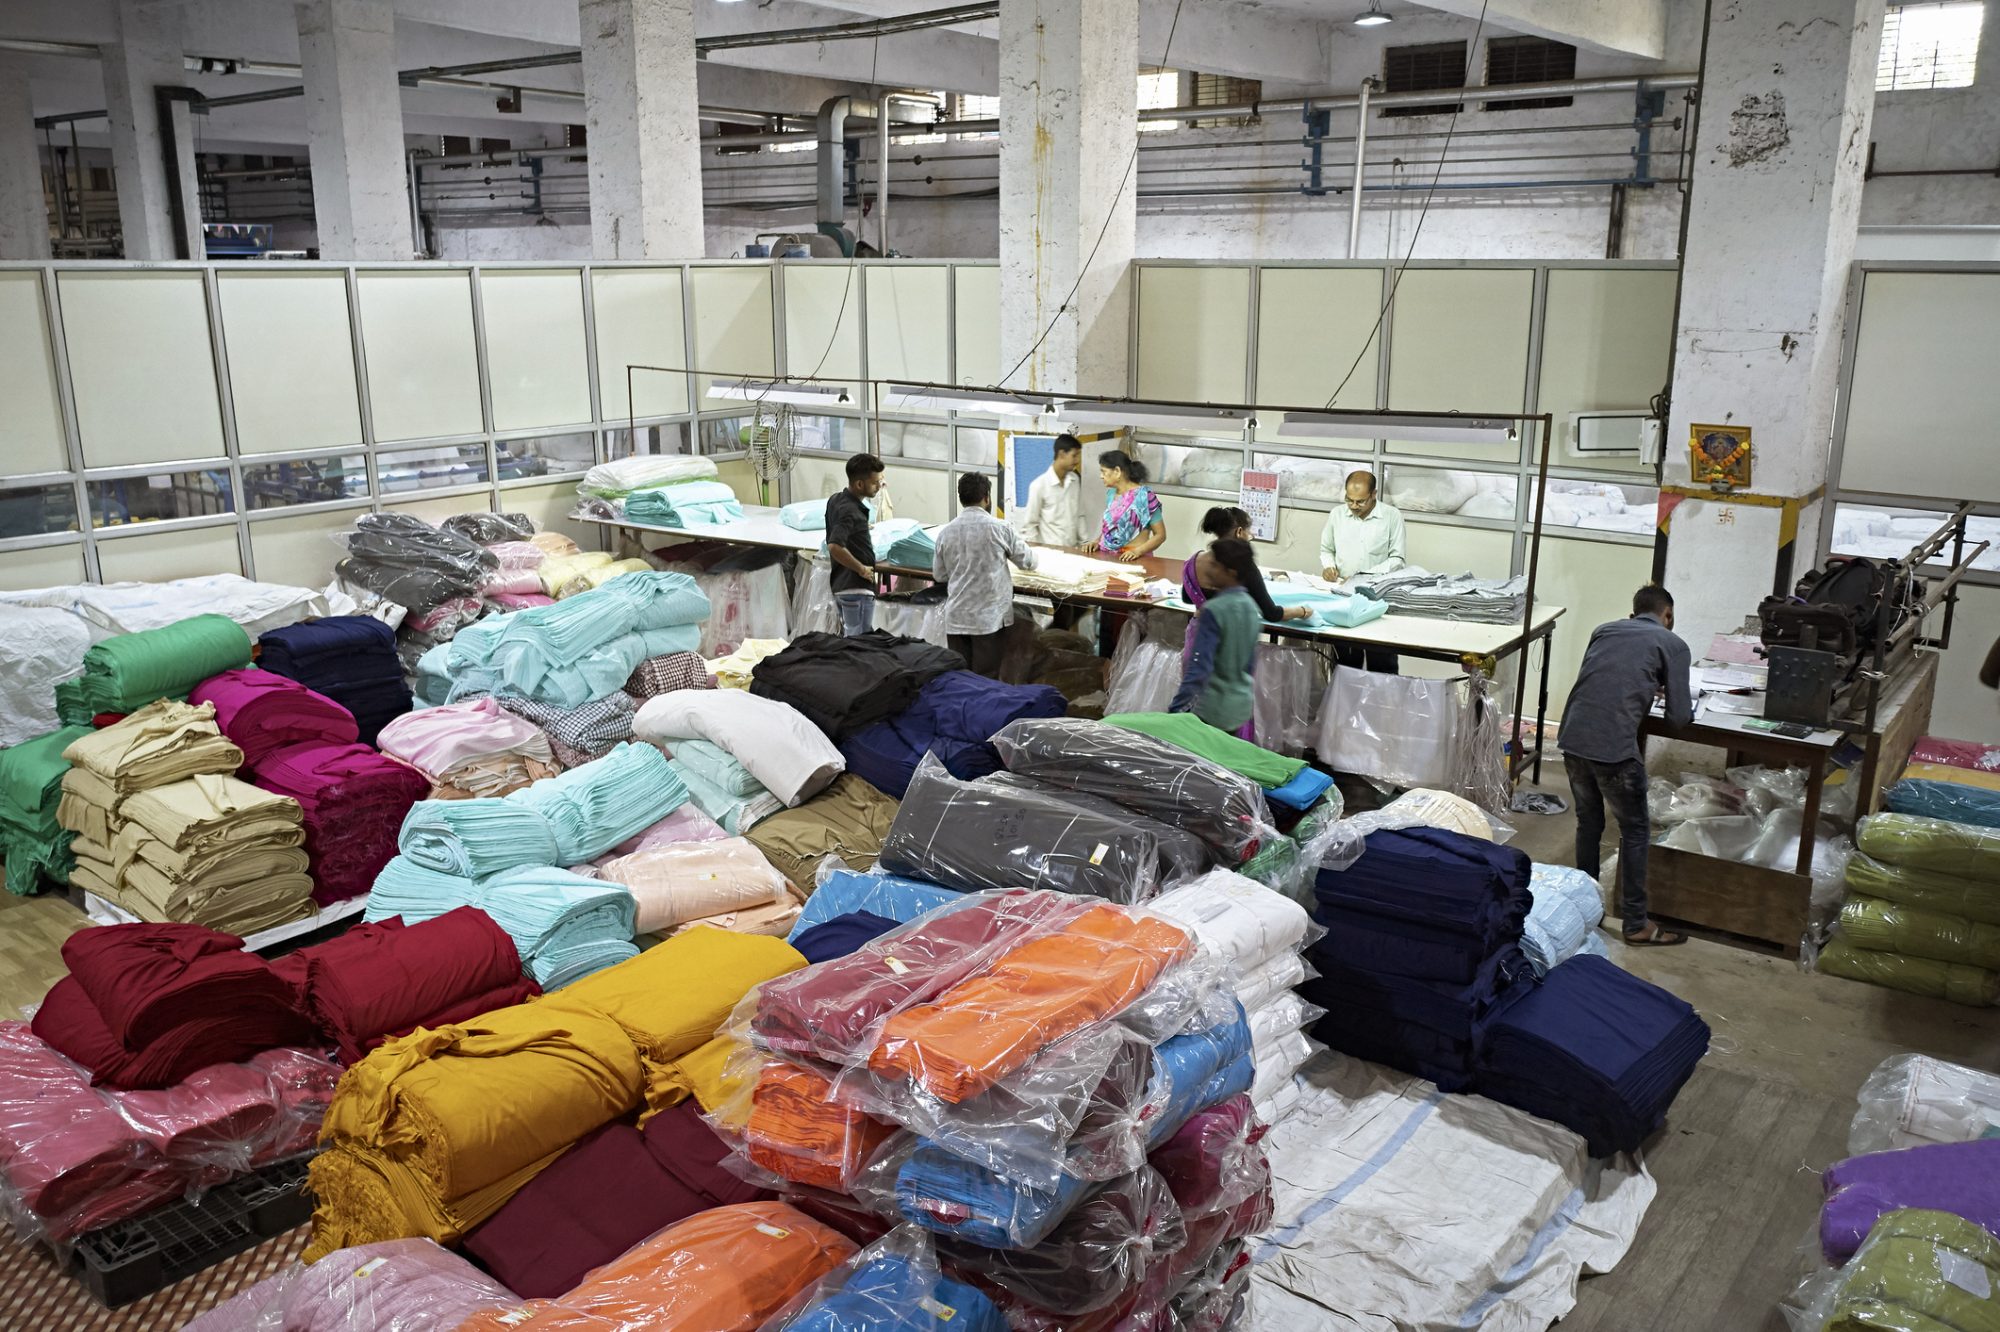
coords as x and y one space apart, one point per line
1542 705
1809 823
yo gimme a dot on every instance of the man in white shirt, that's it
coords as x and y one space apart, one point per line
1055 514
1364 537
971 561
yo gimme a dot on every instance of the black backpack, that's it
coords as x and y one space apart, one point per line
1841 603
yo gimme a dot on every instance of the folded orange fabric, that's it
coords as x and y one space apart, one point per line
724 1270
982 1029
797 1131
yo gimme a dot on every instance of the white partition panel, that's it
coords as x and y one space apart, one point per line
816 478
141 365
925 494
537 358
31 425
1194 333
733 326
422 363
158 556
1921 413
976 311
1607 336
638 313
823 323
291 359
41 566
1459 343
1594 581
299 551
1314 327
550 507
1964 709
909 329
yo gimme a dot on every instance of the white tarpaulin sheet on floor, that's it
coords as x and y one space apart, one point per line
1402 1209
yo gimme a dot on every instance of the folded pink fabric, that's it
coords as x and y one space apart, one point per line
61 1144
353 800
514 601
260 712
518 555
436 740
515 583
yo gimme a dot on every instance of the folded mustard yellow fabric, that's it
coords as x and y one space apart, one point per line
161 742
702 1073
672 997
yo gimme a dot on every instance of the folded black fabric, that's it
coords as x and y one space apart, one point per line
1183 856
412 563
486 529
842 684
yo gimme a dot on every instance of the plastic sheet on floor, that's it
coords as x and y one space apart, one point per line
1368 1164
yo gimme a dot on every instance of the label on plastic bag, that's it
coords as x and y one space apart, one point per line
1967 1275
775 1232
368 1268
942 1312
515 1317
1097 856
895 965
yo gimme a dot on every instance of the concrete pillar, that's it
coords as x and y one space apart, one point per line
24 212
354 128
1068 121
146 56
1776 199
642 117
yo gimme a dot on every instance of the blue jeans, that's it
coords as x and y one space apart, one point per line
1622 786
857 612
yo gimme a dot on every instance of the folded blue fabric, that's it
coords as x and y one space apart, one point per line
476 838
1401 947
1435 877
1455 1010
1950 801
889 1293
591 809
891 896
954 716
684 504
568 653
1329 609
563 925
1186 1069
1305 788
950 1195
1232 1079
804 516
841 935
1563 920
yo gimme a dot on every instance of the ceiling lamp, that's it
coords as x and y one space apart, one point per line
1159 415
1374 18
1416 427
980 402
780 390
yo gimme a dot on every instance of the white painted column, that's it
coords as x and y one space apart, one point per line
1776 200
147 55
354 128
1069 112
24 211
643 121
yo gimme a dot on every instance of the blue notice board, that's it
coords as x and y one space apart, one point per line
1028 456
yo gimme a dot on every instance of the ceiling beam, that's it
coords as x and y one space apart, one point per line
1620 27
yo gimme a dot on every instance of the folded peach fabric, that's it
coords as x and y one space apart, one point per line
982 1029
797 1131
674 885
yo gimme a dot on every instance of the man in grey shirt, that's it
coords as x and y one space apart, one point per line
971 562
1628 664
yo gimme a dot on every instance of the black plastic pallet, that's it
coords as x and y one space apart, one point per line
132 1259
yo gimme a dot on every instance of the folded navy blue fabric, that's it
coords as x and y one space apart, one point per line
953 717
842 935
1400 947
950 1195
1454 1010
1380 1046
349 658
1437 878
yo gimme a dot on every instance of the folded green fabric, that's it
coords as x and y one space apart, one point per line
1889 927
1931 844
717 766
1918 1271
1191 733
1975 987
31 772
475 838
131 670
1970 898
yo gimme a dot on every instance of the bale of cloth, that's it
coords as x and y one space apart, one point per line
406 560
1209 1062
954 716
1183 856
677 885
580 735
796 1130
1919 1268
896 1285
563 925
128 671
849 819
949 1195
582 647
971 836
1954 801
395 1284
261 711
490 529
351 801
145 1005
1147 776
351 659
34 844
774 743
684 504
842 684
621 476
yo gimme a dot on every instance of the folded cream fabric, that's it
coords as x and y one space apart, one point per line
204 810
164 741
677 884
88 805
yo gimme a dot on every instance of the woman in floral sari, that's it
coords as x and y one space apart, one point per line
1134 525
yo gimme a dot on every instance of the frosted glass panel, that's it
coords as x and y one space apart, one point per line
1964 709
823 322
1920 420
1460 344
1607 335
977 312
437 510
291 360
549 506
816 478
732 325
638 313
1194 333
163 555
423 369
141 366
907 333
1594 581
44 566
927 496
1314 325
537 361
299 551
31 432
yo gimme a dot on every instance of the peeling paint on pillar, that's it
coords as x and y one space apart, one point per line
1757 129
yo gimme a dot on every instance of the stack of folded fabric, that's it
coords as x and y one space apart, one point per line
847 892
1287 782
562 576
128 671
1329 609
406 560
684 504
472 748
1058 571
490 529
1913 1099
1414 591
621 476
399 1284
796 1130
563 925
1960 1178
1259 933
1183 856
843 684
745 585
1148 776
725 883
778 748
663 675
1422 951
516 584
804 515
1562 922
903 542
1923 909
954 716
261 711
33 841
894 1285
349 658
352 800
734 670
1919 1268
1948 799
1596 1049
849 819
577 736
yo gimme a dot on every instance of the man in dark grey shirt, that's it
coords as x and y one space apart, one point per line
1628 664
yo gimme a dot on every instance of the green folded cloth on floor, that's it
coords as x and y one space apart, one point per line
1890 927
35 846
687 504
1932 844
131 670
1189 732
1919 1271
1928 889
1975 987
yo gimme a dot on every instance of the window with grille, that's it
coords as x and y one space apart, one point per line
974 106
1224 90
1421 68
1930 45
1158 89
1528 60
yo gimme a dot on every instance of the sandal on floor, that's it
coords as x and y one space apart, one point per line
1654 937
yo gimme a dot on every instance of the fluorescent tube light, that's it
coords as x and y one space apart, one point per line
1160 415
1439 428
780 390
984 402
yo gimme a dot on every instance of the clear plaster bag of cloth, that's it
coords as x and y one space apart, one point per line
1910 1100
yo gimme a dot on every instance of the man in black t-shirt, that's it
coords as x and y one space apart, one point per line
849 545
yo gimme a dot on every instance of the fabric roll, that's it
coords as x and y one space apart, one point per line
663 675
128 671
797 1131
1962 1178
260 712
578 735
584 646
621 476
563 925
890 896
848 819
593 808
716 766
476 838
778 746
1976 987
709 1073
1931 844
352 801
671 998
1953 894
1957 802
675 885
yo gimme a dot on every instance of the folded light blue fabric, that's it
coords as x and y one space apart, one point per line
903 541
889 1293
1189 1071
475 838
591 809
1563 920
718 767
804 516
848 891
582 647
1300 792
1951 801
684 504
1329 609
563 925
950 1195
736 814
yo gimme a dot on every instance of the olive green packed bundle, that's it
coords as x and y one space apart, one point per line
1974 899
1918 1271
1890 927
1932 844
1975 987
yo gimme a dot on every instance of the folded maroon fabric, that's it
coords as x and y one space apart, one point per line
831 1011
147 979
61 1144
353 800
261 712
687 1148
1213 1161
71 1023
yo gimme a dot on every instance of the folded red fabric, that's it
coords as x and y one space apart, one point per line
69 1022
353 800
147 979
260 712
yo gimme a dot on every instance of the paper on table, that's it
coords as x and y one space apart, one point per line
1724 678
1741 705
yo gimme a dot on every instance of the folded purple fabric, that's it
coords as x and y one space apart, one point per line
1962 1178
353 800
260 712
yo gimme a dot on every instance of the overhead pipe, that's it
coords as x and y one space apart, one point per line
1360 165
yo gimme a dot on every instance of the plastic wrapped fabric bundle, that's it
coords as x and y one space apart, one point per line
1913 1099
476 838
591 809
1245 923
260 712
841 935
1932 844
972 837
1962 1178
795 1129
1563 919
563 925
1918 1271
1397 729
128 671
893 1285
47 649
949 1195
1929 890
684 504
1950 801
1887 927
675 885
778 747
1183 856
1145 775
1974 987
411 563
490 529
396 1286
844 892
562 576
1211 1163
601 574
1208 1063
622 476
1259 986
1146 667
1186 731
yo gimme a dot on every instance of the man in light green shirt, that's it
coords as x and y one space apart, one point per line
1364 537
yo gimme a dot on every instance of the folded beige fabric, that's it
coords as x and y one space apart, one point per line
162 742
88 806
672 885
774 920
94 871
236 908
208 857
491 775
209 807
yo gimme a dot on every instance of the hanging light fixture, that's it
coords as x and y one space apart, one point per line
1158 415
1374 18
779 390
976 402
1417 428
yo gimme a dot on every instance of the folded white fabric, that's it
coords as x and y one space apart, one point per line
1258 987
773 741
621 476
1241 919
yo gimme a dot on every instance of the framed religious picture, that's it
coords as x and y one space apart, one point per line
1719 456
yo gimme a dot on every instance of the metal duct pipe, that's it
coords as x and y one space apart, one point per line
834 32
1360 165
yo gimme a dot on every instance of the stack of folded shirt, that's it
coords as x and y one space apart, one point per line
1563 920
842 684
1596 1049
954 716
728 883
473 748
261 711
580 648
33 841
1422 951
684 504
849 819
405 560
577 736
663 675
563 925
128 671
1414 591
349 658
621 476
352 800
777 747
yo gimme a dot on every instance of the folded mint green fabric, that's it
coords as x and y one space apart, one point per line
1186 731
127 672
687 504
736 814
591 809
476 838
563 925
582 647
717 766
